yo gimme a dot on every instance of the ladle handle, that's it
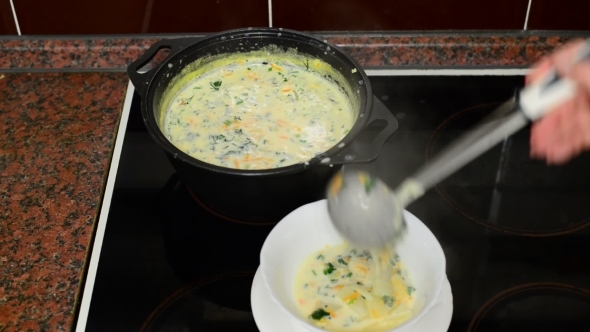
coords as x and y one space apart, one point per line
460 153
536 100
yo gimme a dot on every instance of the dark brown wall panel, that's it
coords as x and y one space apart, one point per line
67 17
206 15
137 16
7 26
559 15
399 14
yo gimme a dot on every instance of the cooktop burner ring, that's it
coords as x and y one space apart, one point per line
488 306
180 293
224 217
449 200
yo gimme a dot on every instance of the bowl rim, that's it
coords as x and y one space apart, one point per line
410 322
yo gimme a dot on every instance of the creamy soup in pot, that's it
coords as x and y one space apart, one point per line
341 288
258 113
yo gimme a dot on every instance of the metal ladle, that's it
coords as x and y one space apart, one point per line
368 213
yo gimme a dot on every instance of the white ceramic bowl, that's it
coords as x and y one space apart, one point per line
309 229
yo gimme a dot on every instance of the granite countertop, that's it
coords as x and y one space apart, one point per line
58 132
62 100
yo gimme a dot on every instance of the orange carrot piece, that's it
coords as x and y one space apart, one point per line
331 312
283 137
337 287
336 184
282 123
352 296
254 159
237 163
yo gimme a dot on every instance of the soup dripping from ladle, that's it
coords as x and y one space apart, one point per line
367 212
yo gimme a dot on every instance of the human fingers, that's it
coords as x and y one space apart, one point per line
580 73
539 70
563 59
549 129
574 133
561 153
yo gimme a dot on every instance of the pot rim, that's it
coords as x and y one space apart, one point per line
365 107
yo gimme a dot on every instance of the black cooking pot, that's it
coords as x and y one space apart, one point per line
259 195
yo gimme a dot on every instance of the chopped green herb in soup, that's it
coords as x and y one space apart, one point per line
254 114
359 290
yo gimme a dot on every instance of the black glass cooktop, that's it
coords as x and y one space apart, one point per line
513 229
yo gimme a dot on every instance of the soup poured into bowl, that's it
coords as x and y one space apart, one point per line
341 288
258 112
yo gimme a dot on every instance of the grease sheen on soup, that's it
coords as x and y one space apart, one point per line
258 114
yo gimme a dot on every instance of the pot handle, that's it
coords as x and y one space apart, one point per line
142 80
367 152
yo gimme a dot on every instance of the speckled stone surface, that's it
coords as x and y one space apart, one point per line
448 50
370 50
58 131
